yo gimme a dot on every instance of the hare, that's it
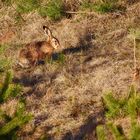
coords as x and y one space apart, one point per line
34 52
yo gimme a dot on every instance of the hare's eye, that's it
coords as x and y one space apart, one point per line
55 42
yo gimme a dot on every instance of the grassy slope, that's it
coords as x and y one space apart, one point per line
66 98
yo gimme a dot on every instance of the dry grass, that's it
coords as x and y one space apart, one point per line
66 98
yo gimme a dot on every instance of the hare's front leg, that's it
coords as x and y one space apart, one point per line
49 57
35 62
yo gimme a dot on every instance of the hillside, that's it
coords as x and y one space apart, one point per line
65 94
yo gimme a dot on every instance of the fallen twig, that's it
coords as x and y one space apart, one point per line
82 12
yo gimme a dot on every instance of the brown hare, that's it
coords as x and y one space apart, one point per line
34 52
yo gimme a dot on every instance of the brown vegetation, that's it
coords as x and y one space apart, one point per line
66 97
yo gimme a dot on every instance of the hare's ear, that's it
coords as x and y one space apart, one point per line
47 32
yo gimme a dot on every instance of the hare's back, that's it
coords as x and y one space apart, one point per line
46 47
36 45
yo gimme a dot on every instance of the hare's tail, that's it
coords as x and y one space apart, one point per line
24 63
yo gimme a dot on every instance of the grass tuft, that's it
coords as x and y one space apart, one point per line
26 6
126 108
61 58
7 2
5 63
54 10
8 130
101 6
116 132
100 132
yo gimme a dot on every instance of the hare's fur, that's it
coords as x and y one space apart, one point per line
34 52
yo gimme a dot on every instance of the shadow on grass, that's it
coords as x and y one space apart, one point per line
84 45
28 79
86 130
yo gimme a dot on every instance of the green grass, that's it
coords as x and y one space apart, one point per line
121 108
58 59
61 58
101 7
11 124
116 131
3 48
135 131
5 62
43 11
54 10
101 132
15 122
7 89
87 5
26 6
7 2
105 7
